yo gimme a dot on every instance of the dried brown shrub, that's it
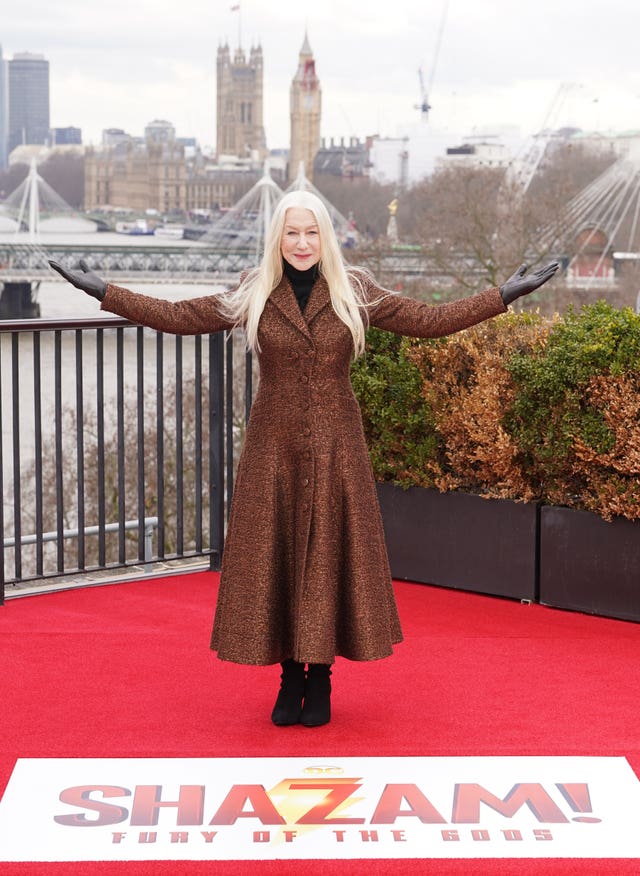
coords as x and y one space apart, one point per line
611 477
468 388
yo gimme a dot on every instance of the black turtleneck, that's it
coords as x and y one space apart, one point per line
301 281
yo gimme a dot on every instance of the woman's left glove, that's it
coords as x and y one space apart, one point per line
84 279
522 283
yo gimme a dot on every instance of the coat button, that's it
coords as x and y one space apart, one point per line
307 431
305 482
304 378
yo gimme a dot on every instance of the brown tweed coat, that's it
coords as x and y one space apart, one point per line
305 571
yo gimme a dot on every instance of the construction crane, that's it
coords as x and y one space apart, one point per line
425 89
424 106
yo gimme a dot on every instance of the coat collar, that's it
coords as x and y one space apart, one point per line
319 299
285 300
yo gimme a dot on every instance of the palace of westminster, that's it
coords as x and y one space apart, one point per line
158 173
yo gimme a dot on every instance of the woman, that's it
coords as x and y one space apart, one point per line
305 576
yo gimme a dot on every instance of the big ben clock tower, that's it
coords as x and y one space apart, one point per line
306 100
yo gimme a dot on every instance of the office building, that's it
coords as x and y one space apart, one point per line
66 136
28 97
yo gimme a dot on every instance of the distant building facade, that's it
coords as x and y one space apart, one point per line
140 176
389 157
347 159
239 104
28 99
115 136
137 177
625 144
160 131
478 151
305 111
65 136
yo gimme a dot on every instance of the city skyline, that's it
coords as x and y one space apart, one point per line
123 66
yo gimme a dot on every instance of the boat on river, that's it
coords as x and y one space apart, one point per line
171 232
137 227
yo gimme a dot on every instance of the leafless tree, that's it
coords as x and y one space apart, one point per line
64 171
476 227
11 178
362 197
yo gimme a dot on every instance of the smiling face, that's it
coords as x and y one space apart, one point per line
300 242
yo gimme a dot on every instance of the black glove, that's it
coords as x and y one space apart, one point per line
522 283
85 279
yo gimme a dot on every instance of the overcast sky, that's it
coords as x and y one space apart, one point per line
501 62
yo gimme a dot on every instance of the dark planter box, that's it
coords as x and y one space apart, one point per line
589 565
461 541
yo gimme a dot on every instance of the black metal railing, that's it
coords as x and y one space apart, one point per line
105 427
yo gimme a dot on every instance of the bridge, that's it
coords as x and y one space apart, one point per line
24 266
197 263
20 263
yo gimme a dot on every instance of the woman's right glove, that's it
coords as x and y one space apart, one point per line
84 279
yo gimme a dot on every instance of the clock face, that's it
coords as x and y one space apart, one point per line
307 101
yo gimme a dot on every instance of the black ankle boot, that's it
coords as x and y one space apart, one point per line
288 705
317 696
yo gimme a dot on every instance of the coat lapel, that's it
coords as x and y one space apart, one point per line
320 297
285 300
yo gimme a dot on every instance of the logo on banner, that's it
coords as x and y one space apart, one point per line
323 798
354 807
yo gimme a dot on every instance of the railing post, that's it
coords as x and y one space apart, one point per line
216 447
148 546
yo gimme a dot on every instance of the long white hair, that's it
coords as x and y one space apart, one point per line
245 304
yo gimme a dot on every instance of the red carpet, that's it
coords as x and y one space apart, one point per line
125 671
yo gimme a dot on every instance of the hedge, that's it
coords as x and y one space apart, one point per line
520 407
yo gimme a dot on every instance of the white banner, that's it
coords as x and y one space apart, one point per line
280 808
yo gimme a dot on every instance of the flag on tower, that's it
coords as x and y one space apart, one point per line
235 8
